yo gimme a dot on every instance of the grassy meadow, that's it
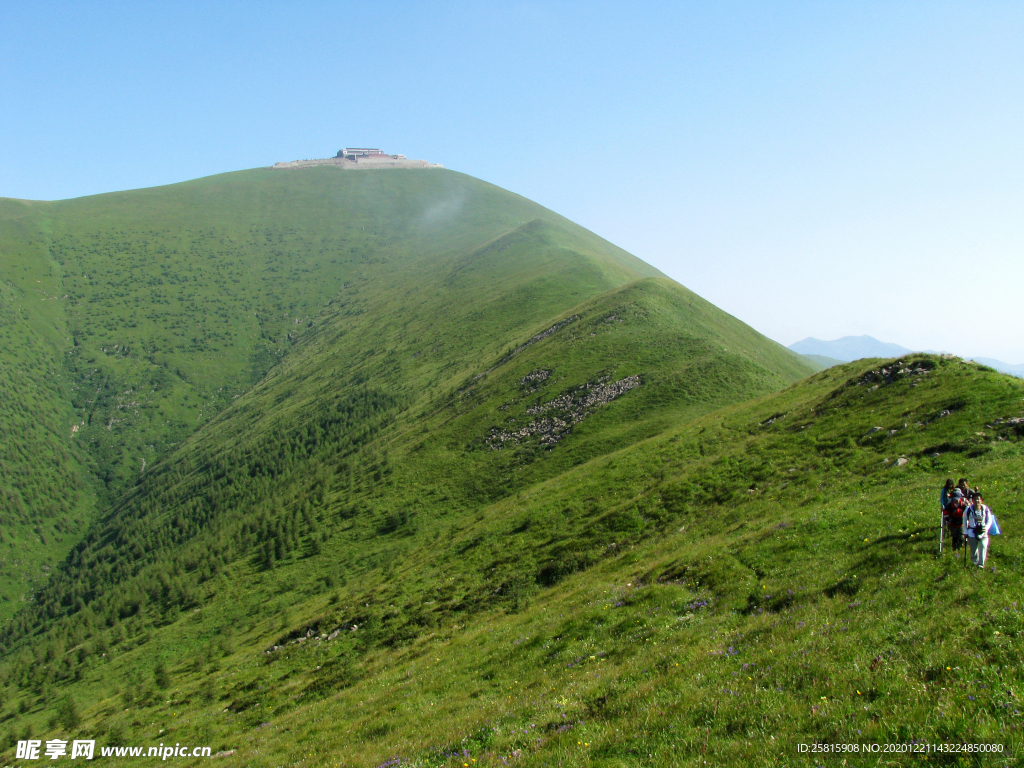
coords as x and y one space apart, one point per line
788 567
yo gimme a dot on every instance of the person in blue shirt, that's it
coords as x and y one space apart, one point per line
947 489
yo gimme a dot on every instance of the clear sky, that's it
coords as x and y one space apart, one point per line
816 169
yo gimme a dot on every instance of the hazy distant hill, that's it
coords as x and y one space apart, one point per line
999 365
848 348
851 348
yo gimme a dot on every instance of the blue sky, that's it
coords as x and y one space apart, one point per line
816 169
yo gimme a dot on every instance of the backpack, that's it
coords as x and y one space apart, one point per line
955 510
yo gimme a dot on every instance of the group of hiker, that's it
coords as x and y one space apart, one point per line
967 518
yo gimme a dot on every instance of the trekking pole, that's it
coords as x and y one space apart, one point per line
942 530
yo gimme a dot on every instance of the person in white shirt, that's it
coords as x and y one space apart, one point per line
977 522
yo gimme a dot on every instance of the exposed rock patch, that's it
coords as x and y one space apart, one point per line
895 372
1007 422
532 381
313 638
560 415
1004 427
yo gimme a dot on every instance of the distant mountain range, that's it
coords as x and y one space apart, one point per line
851 348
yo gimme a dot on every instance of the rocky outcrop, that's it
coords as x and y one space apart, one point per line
560 415
1010 427
313 638
532 381
895 372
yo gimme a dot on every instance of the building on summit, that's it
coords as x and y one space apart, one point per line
360 158
355 153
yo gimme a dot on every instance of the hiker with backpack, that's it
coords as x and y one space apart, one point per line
953 513
977 524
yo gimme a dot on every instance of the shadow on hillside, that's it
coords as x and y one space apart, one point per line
880 556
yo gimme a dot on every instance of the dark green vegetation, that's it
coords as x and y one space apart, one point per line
46 487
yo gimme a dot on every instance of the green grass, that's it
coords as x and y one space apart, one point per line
767 549
821 362
523 606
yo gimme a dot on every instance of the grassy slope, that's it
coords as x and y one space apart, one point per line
396 308
520 606
800 600
149 311
821 362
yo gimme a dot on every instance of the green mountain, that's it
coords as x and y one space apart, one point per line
434 476
131 320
